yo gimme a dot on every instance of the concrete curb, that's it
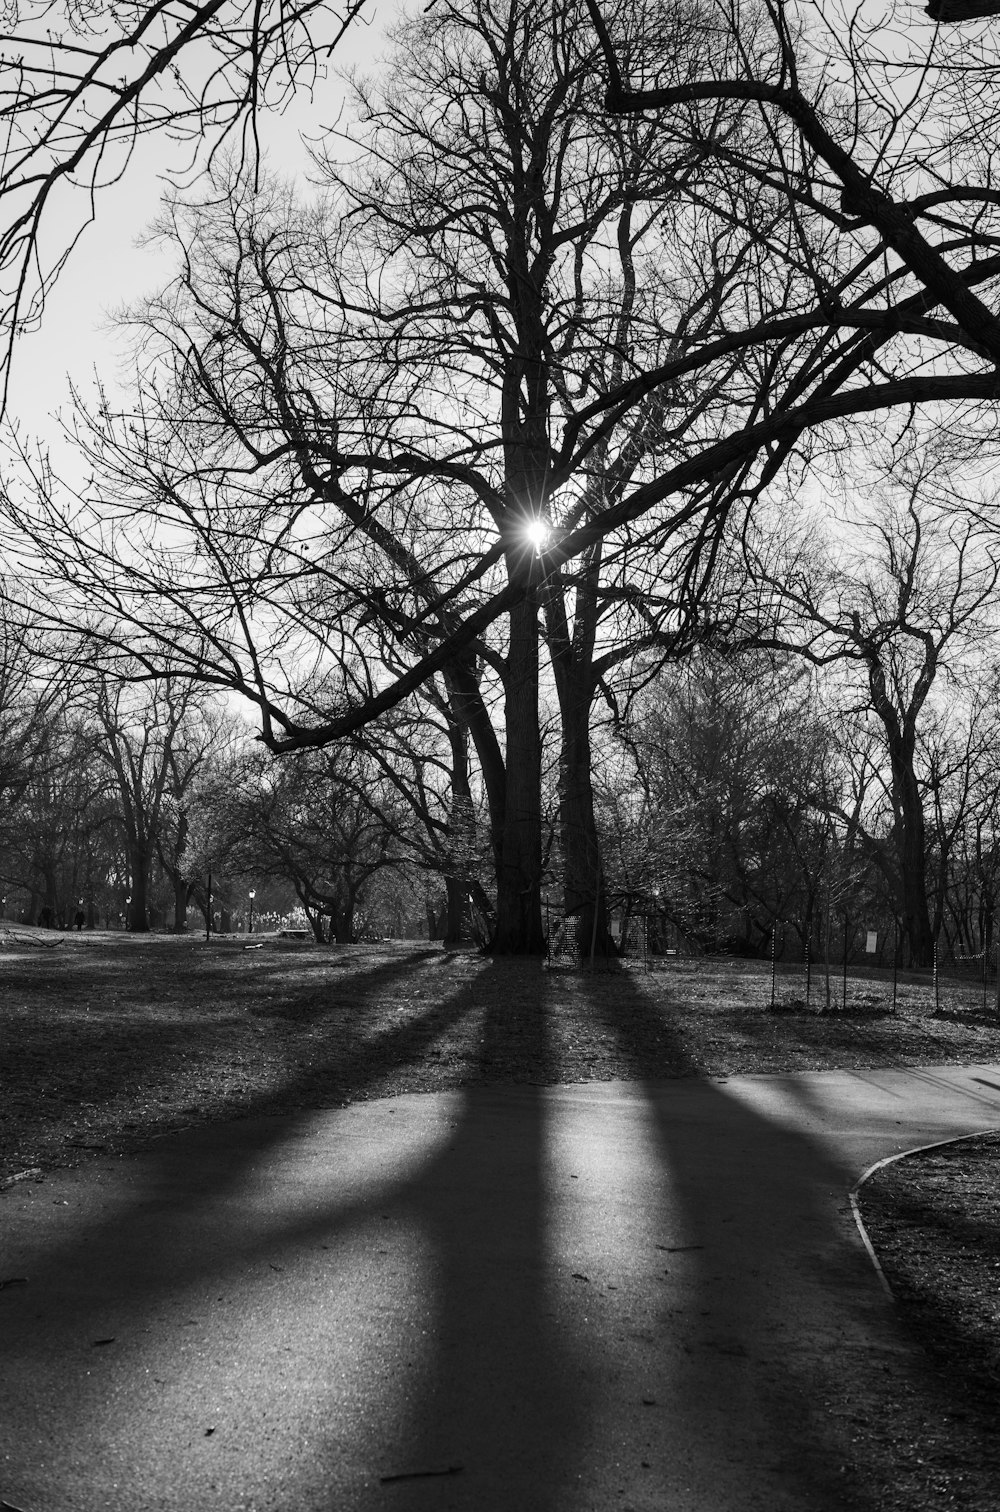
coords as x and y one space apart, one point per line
891 1160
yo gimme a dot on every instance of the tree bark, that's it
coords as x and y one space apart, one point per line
182 895
584 891
519 928
462 827
456 911
911 850
138 909
342 923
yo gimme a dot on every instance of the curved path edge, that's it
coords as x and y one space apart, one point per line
889 1160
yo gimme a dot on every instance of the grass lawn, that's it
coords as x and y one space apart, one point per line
109 1039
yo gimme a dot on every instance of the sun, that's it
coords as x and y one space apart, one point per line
537 533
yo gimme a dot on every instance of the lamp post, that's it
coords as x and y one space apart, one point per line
253 895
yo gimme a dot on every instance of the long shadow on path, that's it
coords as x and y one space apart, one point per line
296 1312
790 1345
541 1298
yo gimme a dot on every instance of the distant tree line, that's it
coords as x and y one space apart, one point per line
824 759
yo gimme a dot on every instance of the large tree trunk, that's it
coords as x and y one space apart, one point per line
911 850
913 893
182 894
469 711
461 832
584 892
909 837
572 654
519 928
342 922
138 909
456 910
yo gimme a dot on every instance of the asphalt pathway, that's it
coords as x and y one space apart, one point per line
601 1296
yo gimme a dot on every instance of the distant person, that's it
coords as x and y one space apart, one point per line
79 919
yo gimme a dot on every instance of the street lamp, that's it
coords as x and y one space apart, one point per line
253 895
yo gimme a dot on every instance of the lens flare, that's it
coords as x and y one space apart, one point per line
537 533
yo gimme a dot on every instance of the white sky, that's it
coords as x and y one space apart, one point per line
108 269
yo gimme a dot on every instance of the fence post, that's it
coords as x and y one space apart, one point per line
846 922
895 961
808 967
937 986
986 961
774 941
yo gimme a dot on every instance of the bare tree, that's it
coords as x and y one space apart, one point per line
33 693
60 840
904 601
82 84
302 820
865 285
734 765
367 460
145 739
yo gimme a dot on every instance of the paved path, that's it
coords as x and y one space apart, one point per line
597 1297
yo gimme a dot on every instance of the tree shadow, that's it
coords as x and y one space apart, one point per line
450 1212
63 1059
791 1312
463 1302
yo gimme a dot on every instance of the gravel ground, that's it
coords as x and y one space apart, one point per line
109 1041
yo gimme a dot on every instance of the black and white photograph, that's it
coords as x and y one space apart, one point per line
499 755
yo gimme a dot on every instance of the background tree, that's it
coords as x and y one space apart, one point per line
733 762
143 735
59 838
905 598
301 820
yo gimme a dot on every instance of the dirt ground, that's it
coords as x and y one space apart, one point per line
934 1219
109 1041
